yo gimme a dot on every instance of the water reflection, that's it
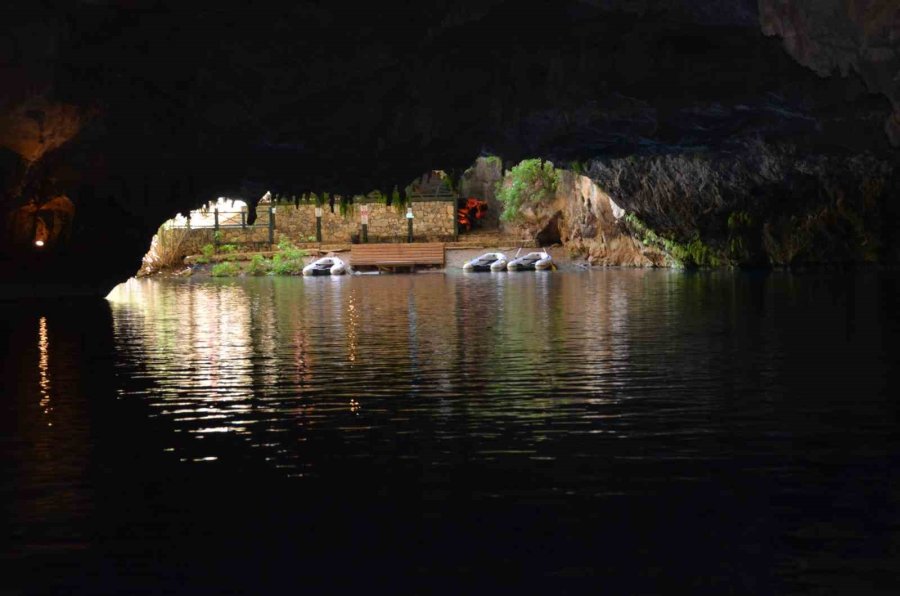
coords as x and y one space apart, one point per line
481 359
605 415
270 360
280 362
45 425
44 368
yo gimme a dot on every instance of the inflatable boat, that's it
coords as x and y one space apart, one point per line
489 261
533 261
326 266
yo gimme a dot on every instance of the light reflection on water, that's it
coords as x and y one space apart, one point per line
590 423
509 368
44 367
271 361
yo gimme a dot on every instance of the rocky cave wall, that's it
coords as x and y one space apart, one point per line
758 206
136 110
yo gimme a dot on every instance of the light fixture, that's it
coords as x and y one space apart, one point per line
39 243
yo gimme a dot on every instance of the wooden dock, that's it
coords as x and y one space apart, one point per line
394 256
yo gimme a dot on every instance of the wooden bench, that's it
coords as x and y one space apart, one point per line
397 255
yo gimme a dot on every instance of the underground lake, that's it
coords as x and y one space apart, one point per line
638 431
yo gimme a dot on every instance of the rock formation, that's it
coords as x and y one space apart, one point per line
136 110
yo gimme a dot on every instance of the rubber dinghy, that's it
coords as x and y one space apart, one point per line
326 266
489 261
533 261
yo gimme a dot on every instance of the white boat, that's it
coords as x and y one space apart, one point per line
326 266
533 261
489 261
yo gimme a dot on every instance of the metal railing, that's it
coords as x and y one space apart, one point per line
231 220
234 223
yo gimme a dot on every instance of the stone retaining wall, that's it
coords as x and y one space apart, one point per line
251 238
433 221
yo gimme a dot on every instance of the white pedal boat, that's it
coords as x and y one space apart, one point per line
533 261
489 261
326 266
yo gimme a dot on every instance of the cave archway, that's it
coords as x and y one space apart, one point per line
550 234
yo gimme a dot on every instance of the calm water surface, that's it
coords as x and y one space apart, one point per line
601 431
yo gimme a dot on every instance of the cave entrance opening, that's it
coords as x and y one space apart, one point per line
550 233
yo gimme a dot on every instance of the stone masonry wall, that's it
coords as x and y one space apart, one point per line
433 221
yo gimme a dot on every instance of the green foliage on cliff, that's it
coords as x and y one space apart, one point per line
531 181
493 161
580 167
694 253
741 230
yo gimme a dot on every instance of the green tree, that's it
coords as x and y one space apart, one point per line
531 181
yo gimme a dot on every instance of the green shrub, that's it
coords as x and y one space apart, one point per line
259 265
225 270
282 265
207 251
289 259
228 248
289 251
531 181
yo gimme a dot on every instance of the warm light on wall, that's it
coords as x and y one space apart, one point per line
41 230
